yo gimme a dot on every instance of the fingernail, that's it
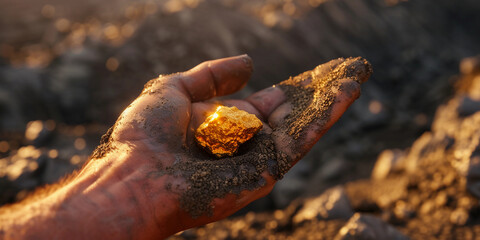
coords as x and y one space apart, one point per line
248 61
359 69
351 88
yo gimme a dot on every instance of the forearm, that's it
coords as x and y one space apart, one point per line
98 203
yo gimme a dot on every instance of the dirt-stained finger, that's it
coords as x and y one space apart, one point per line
315 100
297 146
217 78
267 100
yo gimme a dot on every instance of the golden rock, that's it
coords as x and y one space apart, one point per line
226 129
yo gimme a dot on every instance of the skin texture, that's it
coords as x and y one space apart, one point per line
131 187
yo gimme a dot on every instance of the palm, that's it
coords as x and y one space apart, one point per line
160 126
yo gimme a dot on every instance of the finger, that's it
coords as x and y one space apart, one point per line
315 100
163 109
267 100
162 118
296 146
357 69
348 92
243 105
217 78
247 197
277 118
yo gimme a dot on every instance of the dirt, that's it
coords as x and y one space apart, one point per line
311 97
315 100
105 145
209 179
264 226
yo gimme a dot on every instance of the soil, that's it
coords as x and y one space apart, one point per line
105 146
209 178
313 102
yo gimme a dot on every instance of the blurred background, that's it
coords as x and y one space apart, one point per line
68 69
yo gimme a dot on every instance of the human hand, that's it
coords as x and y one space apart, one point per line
157 131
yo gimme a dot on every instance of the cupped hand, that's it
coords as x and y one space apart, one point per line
176 183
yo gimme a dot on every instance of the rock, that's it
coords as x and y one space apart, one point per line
469 79
417 151
466 151
427 207
69 82
473 173
21 171
441 199
363 226
332 204
459 217
332 168
22 97
387 162
468 106
470 65
39 132
20 161
368 195
288 190
403 210
370 110
473 186
226 129
11 116
292 185
474 89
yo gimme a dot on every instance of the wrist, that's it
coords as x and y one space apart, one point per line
103 200
117 191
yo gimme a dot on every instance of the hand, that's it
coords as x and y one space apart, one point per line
149 169
158 131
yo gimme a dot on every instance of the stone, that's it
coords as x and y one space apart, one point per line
417 151
387 162
38 133
473 186
333 168
364 226
470 65
20 172
292 185
284 193
473 171
333 204
403 210
468 106
226 129
459 217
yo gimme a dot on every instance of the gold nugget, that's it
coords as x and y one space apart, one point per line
228 127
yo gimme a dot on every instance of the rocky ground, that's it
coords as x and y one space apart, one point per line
67 69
